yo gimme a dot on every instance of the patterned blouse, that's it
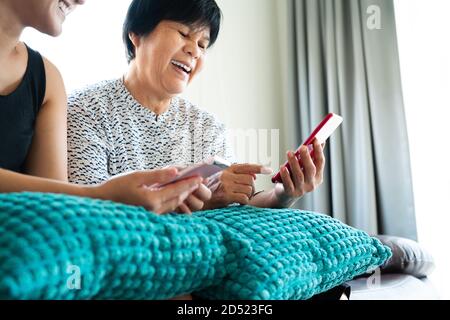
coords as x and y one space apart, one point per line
110 133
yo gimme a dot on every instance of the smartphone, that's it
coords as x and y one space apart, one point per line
322 132
206 169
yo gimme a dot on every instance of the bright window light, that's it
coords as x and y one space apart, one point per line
90 48
423 28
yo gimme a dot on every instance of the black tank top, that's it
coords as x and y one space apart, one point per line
18 112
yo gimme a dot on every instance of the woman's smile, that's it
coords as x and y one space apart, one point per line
64 8
181 74
183 70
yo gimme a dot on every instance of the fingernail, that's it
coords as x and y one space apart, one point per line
290 154
266 170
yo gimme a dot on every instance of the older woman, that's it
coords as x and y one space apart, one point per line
139 122
33 155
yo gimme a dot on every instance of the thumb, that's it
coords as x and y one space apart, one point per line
161 176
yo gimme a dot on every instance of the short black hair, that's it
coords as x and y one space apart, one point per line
144 15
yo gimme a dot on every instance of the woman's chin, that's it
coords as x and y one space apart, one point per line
177 89
53 30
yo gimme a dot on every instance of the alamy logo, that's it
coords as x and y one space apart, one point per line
74 280
374 281
374 19
256 146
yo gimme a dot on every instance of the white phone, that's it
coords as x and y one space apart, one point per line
205 169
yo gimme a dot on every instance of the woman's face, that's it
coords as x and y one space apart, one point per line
171 56
47 16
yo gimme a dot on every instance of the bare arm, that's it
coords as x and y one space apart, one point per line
133 189
16 182
268 199
47 157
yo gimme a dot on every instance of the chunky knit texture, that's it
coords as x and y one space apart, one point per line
122 252
125 252
295 254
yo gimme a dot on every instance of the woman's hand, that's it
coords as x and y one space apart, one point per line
236 185
139 188
299 182
196 201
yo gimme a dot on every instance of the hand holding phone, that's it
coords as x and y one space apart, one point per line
205 170
322 132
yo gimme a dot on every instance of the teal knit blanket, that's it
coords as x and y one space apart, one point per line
64 247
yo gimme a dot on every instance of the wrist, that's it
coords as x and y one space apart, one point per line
282 200
94 192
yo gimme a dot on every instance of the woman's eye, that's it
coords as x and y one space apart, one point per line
204 45
183 34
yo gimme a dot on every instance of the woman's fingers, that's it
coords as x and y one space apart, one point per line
172 196
244 179
194 203
169 206
296 171
153 177
203 193
319 159
246 190
185 208
309 169
179 189
288 185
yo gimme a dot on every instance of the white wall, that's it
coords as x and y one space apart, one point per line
241 81
423 30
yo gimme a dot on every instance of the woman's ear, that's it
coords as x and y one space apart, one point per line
135 39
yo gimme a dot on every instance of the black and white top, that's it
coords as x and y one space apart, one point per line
110 133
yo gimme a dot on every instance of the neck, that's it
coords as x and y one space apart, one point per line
145 95
10 30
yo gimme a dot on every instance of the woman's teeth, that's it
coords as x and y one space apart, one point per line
64 7
182 65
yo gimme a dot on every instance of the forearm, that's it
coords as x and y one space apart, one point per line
268 199
15 182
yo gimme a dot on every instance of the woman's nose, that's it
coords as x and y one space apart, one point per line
193 50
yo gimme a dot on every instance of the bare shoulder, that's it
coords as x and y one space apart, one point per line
55 90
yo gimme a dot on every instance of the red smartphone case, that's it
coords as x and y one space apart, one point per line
277 178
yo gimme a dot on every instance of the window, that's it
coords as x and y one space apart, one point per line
423 28
90 49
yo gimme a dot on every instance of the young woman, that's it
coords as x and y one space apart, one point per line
33 148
